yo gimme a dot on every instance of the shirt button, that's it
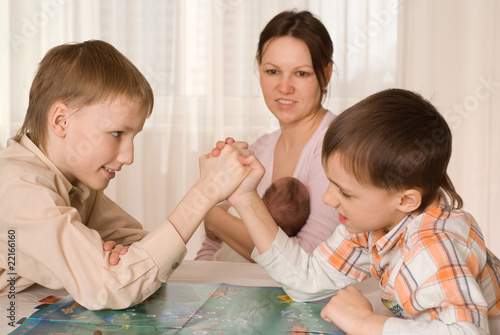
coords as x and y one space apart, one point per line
175 265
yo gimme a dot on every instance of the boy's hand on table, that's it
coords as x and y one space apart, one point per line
116 251
353 313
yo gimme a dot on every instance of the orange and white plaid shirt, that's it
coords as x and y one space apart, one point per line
432 266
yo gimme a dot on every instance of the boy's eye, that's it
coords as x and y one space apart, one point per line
345 195
116 133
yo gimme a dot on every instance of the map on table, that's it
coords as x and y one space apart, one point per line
179 308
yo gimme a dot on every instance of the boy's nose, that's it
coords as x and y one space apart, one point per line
330 197
126 154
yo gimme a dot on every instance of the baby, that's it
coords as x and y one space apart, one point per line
287 200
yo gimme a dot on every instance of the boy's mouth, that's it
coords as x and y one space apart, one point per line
110 173
343 219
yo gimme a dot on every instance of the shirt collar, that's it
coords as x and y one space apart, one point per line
386 241
79 188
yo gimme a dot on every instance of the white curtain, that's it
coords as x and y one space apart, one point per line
199 56
450 52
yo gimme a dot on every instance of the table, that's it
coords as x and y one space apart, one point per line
190 271
250 274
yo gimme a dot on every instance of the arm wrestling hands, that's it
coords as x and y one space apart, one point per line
348 309
220 174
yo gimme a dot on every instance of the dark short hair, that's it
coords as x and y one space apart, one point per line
395 140
288 202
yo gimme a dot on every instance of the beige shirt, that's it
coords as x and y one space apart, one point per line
52 233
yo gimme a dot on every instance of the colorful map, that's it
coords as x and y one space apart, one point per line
178 308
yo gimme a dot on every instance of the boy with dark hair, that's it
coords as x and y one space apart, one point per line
386 159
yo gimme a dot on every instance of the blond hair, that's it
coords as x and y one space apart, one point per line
79 75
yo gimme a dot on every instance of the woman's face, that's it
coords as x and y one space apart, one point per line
289 84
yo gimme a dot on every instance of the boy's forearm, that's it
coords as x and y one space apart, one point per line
258 221
191 210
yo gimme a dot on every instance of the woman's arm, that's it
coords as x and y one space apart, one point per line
207 250
247 203
229 229
320 224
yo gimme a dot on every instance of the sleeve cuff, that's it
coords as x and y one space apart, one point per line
274 250
166 248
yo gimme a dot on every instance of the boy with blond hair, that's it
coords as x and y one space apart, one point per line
86 104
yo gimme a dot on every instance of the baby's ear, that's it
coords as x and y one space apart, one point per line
410 200
58 119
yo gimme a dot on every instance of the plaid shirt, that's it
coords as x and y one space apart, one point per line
432 266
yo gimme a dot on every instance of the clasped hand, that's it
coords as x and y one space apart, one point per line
229 171
245 159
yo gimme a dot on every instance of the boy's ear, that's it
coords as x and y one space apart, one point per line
409 200
58 119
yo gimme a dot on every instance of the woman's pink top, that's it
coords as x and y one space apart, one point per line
323 219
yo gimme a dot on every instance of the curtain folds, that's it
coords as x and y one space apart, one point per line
449 52
199 56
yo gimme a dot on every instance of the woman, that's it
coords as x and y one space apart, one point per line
294 56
